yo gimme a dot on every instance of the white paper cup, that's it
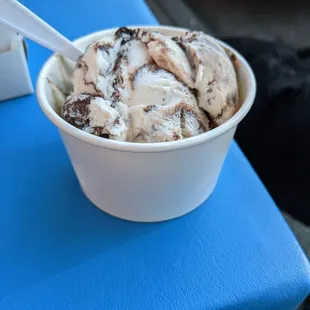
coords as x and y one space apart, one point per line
145 182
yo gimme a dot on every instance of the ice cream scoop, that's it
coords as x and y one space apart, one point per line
143 86
97 116
215 77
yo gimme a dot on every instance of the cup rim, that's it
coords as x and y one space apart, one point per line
81 135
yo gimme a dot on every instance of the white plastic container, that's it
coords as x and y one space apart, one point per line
145 182
14 74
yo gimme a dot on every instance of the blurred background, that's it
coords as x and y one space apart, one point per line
273 19
274 36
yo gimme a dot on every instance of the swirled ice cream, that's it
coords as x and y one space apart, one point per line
143 86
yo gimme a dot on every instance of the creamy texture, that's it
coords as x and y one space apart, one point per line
215 80
97 116
142 86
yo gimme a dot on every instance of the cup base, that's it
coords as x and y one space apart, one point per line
103 208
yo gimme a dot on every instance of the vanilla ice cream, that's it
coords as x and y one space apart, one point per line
142 86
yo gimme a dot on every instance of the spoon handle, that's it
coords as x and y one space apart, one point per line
17 17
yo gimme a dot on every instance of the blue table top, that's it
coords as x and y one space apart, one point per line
59 252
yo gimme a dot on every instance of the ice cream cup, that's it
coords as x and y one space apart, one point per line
136 181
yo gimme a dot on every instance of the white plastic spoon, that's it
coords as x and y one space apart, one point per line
17 17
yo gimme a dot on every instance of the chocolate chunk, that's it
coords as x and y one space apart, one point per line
103 47
76 110
149 108
125 34
105 136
